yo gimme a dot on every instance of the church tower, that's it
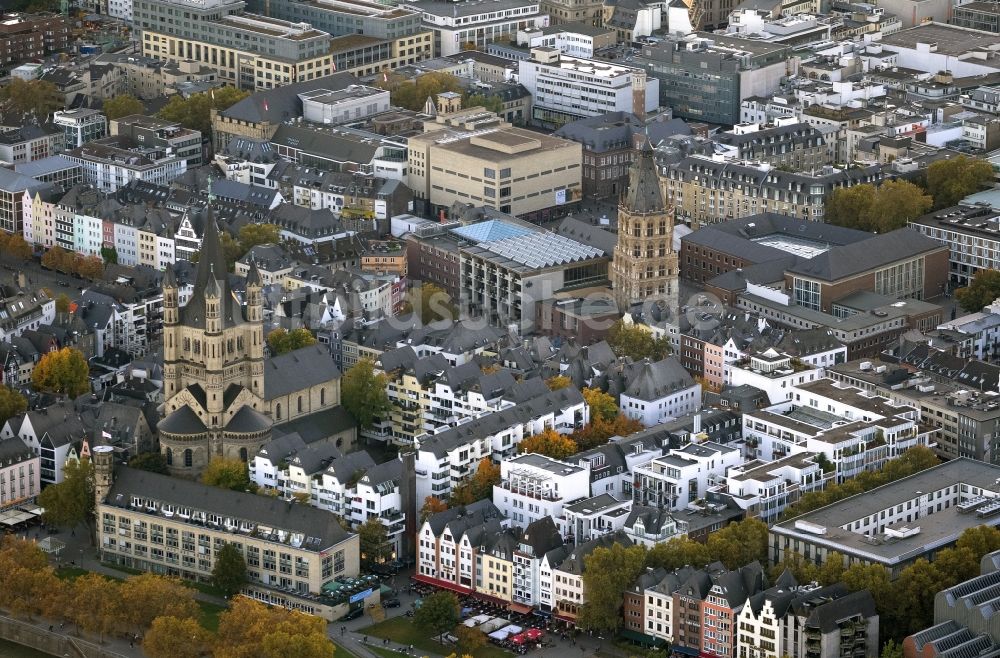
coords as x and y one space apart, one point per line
213 365
645 266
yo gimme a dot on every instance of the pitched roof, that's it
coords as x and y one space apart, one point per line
283 103
262 510
298 370
848 260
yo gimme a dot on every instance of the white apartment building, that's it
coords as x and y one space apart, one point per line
450 456
590 518
566 88
456 25
659 612
659 392
352 103
853 430
88 237
24 311
775 374
684 475
533 487
765 489
109 168
575 40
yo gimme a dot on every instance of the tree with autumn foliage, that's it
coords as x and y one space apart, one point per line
148 596
14 246
253 630
549 443
479 486
602 405
557 382
598 431
173 637
432 505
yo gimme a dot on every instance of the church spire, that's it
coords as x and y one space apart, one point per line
644 195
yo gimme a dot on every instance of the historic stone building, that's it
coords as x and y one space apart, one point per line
213 366
644 268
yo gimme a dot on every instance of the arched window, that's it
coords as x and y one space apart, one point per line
299 404
170 457
188 458
322 396
243 455
277 411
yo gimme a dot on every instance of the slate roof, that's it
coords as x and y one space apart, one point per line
183 421
298 370
644 195
318 426
283 103
247 421
651 381
849 260
260 510
827 616
588 234
542 535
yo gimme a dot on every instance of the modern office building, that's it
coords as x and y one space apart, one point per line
898 523
171 137
970 232
471 156
81 126
459 26
977 15
703 77
12 192
250 51
566 88
109 167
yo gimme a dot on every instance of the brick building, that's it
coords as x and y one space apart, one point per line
31 36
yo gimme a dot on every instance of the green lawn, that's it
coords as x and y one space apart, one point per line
210 615
379 651
402 631
70 573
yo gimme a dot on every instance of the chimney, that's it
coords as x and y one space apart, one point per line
697 424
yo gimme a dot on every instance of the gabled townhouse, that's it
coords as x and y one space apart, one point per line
539 538
20 469
568 591
634 605
446 458
53 433
684 475
446 557
650 526
533 487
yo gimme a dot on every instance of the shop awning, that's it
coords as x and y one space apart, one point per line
519 608
642 638
443 584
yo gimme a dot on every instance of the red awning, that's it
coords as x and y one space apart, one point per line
489 599
566 618
519 608
443 584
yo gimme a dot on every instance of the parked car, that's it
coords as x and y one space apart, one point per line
352 614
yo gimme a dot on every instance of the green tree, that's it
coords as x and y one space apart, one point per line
64 371
951 180
677 553
109 255
71 501
363 393
598 431
438 614
805 571
12 403
980 540
122 106
413 94
892 649
740 543
252 235
154 462
983 290
850 206
549 443
897 203
636 342
470 640
557 382
195 112
602 405
374 543
913 595
62 303
432 303
479 486
607 573
31 98
229 573
491 103
227 474
281 341
873 578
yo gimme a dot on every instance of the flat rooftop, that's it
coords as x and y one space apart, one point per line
938 529
982 7
794 245
545 463
949 39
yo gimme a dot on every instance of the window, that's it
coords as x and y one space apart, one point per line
243 455
322 396
277 411
170 457
188 458
298 404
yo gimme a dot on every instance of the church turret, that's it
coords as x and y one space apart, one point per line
171 339
104 471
